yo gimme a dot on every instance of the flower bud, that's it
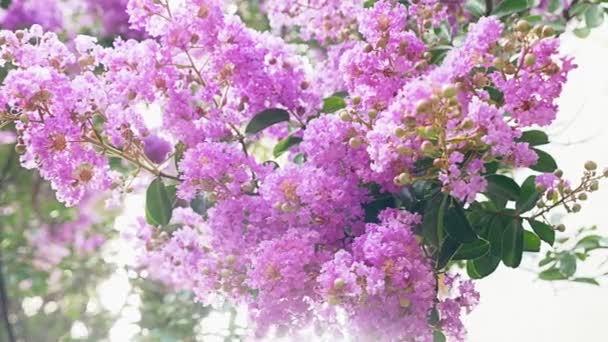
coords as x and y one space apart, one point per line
522 26
344 116
583 196
529 59
558 173
448 90
560 228
357 100
225 273
404 150
372 114
499 63
576 207
400 132
230 259
403 179
339 284
548 31
422 106
368 48
404 302
606 172
590 166
24 118
594 186
20 148
355 142
427 146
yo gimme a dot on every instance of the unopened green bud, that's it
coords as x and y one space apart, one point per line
559 173
560 228
594 186
344 116
583 196
373 114
590 166
400 132
548 31
339 284
448 91
522 26
422 106
576 207
403 179
355 142
427 146
405 302
20 148
529 59
24 118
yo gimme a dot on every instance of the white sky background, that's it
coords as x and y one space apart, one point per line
515 307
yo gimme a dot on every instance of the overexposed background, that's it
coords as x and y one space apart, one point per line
515 306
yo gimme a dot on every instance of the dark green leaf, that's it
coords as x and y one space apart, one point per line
501 189
544 231
285 144
482 267
5 3
433 318
594 16
374 208
299 159
546 261
332 104
531 242
511 6
534 138
528 196
545 162
551 274
159 206
513 244
472 250
590 281
457 225
449 247
201 204
432 223
567 265
265 119
438 336
495 95
495 234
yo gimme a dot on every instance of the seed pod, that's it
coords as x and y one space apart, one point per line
576 207
590 165
594 186
583 196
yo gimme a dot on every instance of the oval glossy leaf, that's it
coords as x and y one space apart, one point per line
534 138
483 267
432 223
551 274
285 144
472 250
545 162
544 231
457 225
531 242
438 336
590 281
333 104
502 189
511 6
528 196
567 265
449 247
496 231
159 206
265 119
513 244
594 16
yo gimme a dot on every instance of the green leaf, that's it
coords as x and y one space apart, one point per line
531 242
457 225
477 8
534 138
496 230
545 162
201 204
513 244
438 336
567 265
449 247
502 189
551 274
543 230
482 267
582 32
546 261
590 281
265 119
594 16
332 104
528 195
285 144
5 3
590 242
159 206
432 223
495 95
511 6
373 208
472 250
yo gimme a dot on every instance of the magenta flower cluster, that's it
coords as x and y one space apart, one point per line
290 241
